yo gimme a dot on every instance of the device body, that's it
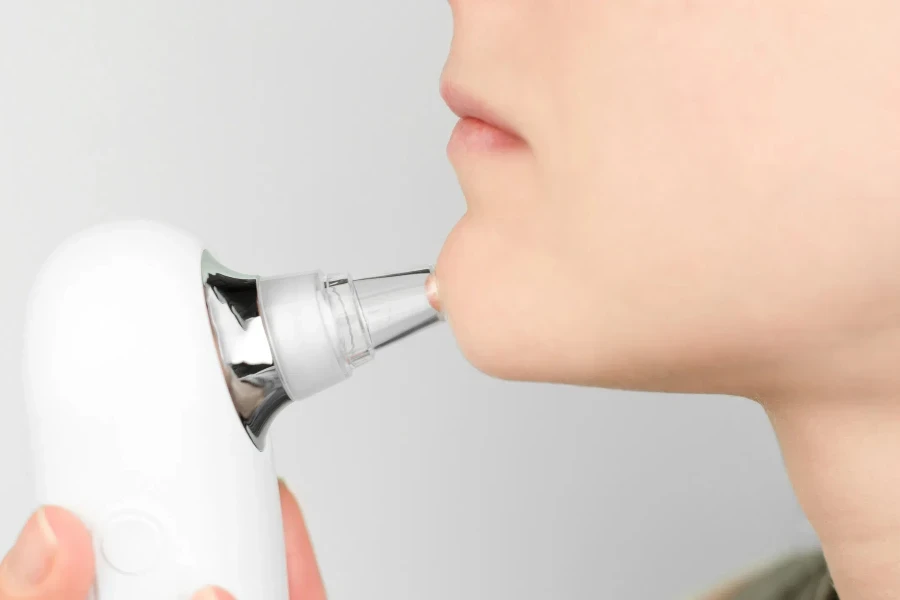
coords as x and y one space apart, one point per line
152 375
131 424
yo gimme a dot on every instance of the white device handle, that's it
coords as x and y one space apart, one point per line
152 375
132 424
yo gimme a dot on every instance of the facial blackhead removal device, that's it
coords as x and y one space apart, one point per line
152 374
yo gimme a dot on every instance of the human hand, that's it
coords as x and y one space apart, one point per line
53 558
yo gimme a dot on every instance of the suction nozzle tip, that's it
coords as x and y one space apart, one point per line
398 304
374 312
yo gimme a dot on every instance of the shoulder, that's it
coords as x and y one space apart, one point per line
797 577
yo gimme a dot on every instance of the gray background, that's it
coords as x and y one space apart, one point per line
294 135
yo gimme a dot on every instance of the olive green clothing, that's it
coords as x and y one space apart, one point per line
804 577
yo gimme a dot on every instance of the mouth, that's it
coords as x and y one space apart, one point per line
479 129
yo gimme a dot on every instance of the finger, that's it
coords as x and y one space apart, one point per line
212 593
304 579
52 559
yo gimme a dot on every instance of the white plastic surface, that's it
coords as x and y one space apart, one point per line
133 428
298 320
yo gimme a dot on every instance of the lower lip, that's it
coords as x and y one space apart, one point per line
474 135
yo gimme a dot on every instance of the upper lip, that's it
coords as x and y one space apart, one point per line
465 106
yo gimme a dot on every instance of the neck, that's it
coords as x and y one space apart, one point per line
837 419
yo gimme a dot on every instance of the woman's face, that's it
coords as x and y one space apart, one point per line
700 192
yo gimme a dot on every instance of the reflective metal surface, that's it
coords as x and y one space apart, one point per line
249 367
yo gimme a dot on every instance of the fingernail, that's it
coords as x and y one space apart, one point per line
31 559
432 292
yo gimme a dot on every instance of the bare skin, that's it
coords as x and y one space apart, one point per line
705 198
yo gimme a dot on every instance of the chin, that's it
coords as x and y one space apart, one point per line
518 313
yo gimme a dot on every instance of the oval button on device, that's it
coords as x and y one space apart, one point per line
131 543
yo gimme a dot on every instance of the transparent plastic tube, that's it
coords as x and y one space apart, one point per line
285 338
322 328
375 312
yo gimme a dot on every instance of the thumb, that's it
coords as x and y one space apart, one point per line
52 559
